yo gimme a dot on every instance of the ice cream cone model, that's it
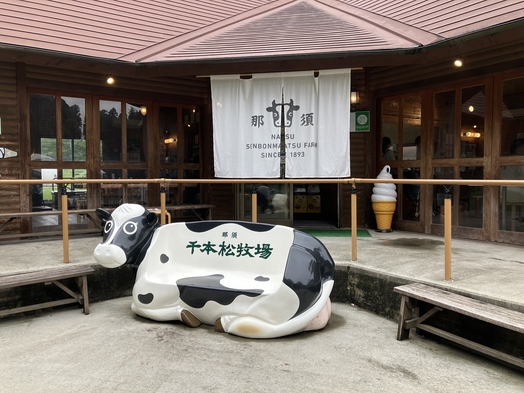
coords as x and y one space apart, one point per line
384 215
384 201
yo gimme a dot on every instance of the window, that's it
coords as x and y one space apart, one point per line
444 124
123 147
179 151
400 144
54 143
389 138
512 145
512 116
110 131
472 122
73 129
411 128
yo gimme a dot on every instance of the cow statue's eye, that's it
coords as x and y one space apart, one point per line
108 227
130 228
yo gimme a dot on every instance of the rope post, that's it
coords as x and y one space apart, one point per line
447 236
65 224
353 223
254 204
162 204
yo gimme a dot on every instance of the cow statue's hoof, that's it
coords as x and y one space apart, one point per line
189 319
247 279
218 326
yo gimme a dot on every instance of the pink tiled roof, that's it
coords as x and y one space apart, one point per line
184 30
446 18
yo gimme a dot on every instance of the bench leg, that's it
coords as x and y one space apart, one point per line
82 288
406 312
198 215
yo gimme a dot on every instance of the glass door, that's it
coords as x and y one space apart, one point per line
274 203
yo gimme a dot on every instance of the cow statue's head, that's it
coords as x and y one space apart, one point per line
127 233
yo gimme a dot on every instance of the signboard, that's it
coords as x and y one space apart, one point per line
360 121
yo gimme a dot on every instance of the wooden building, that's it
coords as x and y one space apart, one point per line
62 119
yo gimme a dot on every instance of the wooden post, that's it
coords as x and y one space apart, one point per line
353 223
254 205
447 237
162 204
65 224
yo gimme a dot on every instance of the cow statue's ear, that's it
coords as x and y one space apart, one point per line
104 215
152 218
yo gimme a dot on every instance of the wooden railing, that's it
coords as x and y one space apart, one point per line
163 182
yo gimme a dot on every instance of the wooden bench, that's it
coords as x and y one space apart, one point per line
88 213
412 294
51 276
12 216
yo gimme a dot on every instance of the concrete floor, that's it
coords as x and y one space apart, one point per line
114 350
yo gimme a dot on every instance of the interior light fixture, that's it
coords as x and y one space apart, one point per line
471 134
110 80
458 62
168 138
471 108
143 110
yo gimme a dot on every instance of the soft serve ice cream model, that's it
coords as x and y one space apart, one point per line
384 200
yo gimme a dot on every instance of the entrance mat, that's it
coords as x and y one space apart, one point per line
335 232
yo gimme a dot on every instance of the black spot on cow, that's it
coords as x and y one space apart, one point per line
146 298
204 226
164 258
261 278
197 291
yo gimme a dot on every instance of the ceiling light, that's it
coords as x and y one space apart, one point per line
458 63
471 109
110 80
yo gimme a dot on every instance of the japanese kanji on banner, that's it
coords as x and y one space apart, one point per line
248 115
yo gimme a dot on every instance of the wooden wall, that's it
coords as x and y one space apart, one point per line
386 80
186 90
10 167
361 161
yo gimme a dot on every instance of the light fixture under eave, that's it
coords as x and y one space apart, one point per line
143 110
110 80
458 62
354 99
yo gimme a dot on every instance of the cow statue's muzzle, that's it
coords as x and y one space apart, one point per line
110 255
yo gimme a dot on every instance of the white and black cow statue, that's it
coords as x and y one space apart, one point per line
248 279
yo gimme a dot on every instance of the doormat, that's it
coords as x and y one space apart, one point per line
335 232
